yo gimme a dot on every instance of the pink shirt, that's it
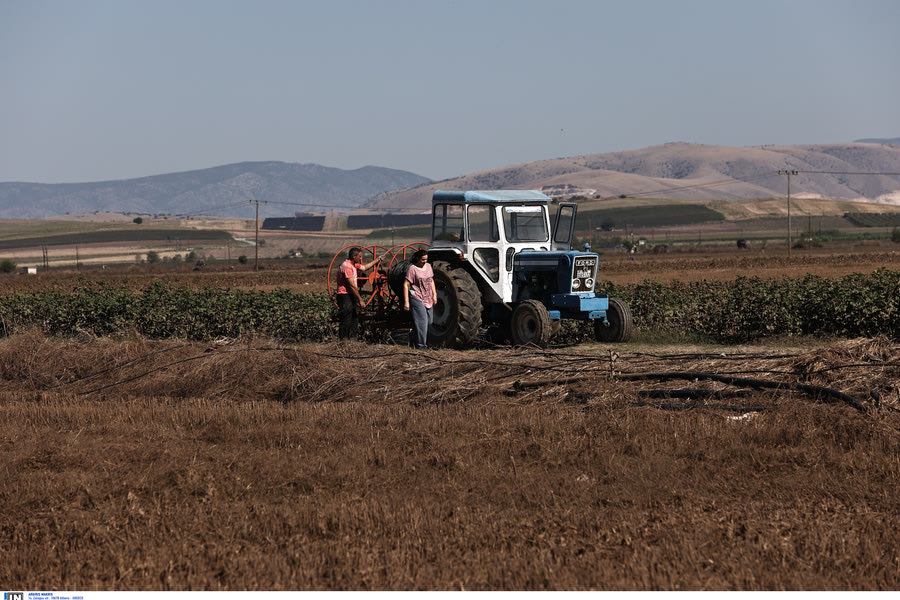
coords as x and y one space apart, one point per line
347 271
420 283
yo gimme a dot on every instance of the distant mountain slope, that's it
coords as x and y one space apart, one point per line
681 170
222 191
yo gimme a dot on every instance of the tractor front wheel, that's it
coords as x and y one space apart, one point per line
620 323
530 324
457 314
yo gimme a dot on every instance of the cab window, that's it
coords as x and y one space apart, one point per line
482 223
564 224
525 224
447 222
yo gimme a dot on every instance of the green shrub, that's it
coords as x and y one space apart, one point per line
742 310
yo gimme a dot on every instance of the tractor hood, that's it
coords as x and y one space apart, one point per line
576 272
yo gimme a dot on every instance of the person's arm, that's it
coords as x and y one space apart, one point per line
406 294
354 291
433 292
368 265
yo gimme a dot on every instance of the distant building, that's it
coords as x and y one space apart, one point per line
296 223
383 221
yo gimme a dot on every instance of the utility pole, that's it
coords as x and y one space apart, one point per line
788 173
809 228
256 240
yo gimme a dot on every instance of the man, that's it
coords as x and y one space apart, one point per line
348 299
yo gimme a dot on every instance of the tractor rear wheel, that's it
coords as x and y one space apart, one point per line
620 323
457 314
530 324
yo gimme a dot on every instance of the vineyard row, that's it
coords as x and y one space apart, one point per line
742 310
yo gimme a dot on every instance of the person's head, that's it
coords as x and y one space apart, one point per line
355 254
420 258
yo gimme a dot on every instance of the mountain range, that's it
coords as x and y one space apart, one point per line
865 170
221 191
696 171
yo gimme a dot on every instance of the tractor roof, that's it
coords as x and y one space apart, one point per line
501 196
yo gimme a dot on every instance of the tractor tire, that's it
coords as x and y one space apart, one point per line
620 323
457 314
530 324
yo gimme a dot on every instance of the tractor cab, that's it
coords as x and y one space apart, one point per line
490 229
500 260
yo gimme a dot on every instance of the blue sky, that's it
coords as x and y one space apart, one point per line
111 89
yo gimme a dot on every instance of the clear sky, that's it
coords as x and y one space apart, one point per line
112 89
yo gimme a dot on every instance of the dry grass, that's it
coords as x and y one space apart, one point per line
139 464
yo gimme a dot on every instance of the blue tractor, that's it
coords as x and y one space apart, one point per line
499 263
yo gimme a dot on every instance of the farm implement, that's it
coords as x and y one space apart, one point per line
380 291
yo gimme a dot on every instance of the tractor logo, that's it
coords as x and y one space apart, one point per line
583 269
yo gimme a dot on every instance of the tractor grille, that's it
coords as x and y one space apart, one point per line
584 272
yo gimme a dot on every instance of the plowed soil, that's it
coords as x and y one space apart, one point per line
135 464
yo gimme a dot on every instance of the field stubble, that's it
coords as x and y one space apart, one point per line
245 464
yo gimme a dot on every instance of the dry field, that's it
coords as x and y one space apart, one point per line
616 266
138 464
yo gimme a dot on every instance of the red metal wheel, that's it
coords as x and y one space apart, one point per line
376 277
396 255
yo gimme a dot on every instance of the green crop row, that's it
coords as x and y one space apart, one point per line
162 310
117 235
750 308
647 216
874 219
741 310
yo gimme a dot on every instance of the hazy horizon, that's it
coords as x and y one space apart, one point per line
105 90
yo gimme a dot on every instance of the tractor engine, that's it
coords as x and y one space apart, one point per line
542 275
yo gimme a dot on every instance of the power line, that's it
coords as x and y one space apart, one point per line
755 178
312 204
731 180
848 172
381 208
698 186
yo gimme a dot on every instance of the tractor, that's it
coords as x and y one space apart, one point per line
500 266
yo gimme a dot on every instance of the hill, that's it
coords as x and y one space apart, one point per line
222 191
696 171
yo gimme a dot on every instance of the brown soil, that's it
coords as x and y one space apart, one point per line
136 464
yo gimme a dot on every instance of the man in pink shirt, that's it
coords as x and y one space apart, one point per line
419 297
348 299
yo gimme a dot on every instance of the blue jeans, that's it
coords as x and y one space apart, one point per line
422 318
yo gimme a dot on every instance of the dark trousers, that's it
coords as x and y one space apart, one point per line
348 319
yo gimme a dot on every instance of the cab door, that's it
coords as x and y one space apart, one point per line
564 226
